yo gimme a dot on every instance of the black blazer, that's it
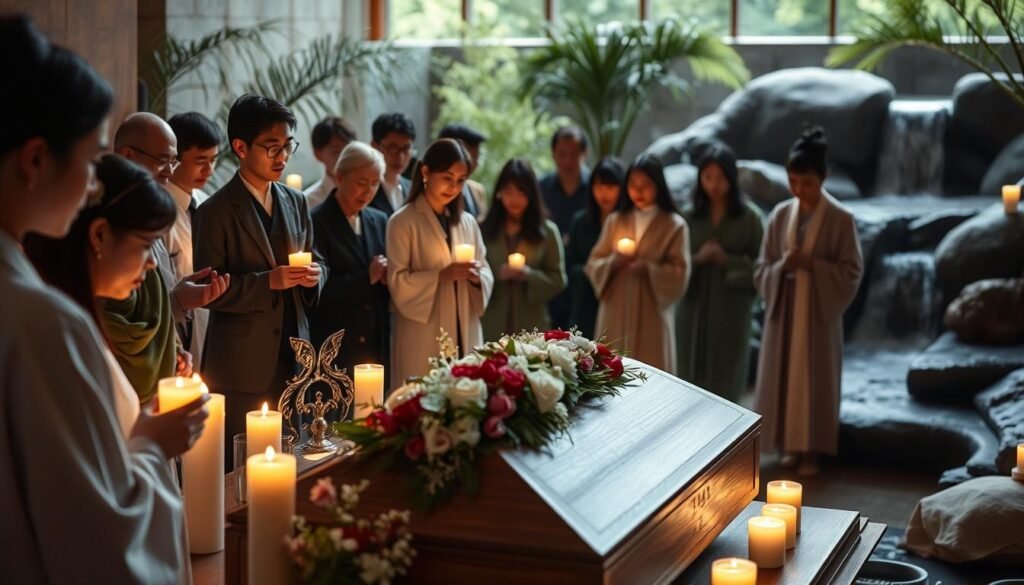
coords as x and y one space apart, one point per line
348 301
244 336
380 200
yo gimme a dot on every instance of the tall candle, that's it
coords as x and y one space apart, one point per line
787 514
733 572
517 260
369 384
465 252
294 181
300 259
203 482
262 430
766 542
625 246
1011 197
787 492
173 393
270 478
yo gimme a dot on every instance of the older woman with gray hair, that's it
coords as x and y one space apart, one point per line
351 238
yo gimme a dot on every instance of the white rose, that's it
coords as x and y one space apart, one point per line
466 430
564 360
583 343
437 440
531 351
466 391
518 362
469 360
547 389
561 410
401 394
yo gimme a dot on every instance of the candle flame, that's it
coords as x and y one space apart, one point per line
265 408
196 378
179 382
733 564
269 454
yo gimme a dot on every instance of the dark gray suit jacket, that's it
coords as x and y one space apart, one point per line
244 335
380 200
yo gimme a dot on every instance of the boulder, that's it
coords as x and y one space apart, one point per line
927 231
1002 407
988 311
950 370
1007 169
989 245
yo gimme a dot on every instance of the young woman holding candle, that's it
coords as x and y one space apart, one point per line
807 272
516 224
606 186
431 291
713 319
638 289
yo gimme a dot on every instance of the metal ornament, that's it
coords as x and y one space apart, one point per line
316 368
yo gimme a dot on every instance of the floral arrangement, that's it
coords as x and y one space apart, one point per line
511 393
351 550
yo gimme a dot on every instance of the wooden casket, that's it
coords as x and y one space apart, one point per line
642 485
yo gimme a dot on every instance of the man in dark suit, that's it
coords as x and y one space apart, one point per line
247 229
393 135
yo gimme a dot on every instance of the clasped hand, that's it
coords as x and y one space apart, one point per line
285 277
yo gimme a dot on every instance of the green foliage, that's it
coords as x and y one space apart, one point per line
605 73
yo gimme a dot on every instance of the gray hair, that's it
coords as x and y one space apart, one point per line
358 155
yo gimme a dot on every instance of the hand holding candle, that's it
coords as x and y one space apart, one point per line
766 541
787 492
1011 198
270 480
733 572
516 260
173 393
300 259
626 247
294 180
369 388
262 430
465 253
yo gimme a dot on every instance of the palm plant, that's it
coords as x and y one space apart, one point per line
962 30
606 73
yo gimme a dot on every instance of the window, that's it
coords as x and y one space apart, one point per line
511 18
425 19
712 15
783 17
851 12
599 11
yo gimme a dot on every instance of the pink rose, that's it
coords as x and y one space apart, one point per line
587 364
494 427
415 447
556 334
323 493
501 405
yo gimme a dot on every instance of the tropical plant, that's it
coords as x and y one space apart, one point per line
960 28
605 73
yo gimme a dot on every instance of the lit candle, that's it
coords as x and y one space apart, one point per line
1017 473
625 246
203 483
733 572
787 514
300 259
369 388
262 430
766 542
1011 197
270 488
517 261
294 181
176 392
787 492
465 252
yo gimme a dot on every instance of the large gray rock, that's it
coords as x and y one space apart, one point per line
984 119
990 245
927 231
1007 169
1002 407
988 311
952 371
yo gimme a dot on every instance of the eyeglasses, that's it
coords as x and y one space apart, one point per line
392 150
169 163
275 151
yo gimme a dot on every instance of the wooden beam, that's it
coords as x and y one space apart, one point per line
378 16
734 18
833 9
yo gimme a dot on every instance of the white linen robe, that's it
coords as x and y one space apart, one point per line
79 503
417 253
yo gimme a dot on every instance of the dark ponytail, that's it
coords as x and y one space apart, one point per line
809 153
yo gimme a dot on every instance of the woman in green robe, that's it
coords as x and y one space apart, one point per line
713 319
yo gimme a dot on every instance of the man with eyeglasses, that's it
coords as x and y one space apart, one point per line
248 228
393 135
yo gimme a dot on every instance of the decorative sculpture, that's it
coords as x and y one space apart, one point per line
316 368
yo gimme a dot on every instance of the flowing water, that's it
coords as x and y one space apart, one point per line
911 158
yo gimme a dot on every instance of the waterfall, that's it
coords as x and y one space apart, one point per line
911 158
903 303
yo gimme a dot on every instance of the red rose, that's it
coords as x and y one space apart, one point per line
415 447
494 427
587 364
556 334
383 422
603 351
466 371
512 381
499 359
501 405
408 413
615 365
489 372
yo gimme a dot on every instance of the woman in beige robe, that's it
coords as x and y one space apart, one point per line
429 290
638 291
807 272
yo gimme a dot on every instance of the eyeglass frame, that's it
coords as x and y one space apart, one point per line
393 150
171 164
280 149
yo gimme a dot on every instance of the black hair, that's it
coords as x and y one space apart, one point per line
518 172
650 166
570 133
130 200
394 122
808 153
329 128
440 156
467 135
607 171
252 115
47 76
194 130
723 156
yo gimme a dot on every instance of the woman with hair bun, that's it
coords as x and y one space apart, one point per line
808 272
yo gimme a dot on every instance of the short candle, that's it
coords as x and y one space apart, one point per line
787 514
369 389
300 259
465 252
625 246
766 542
787 492
262 430
173 393
1011 197
733 571
517 260
294 181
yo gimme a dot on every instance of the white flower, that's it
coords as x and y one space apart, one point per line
531 351
467 391
374 568
472 359
401 394
561 410
466 430
437 440
565 360
583 343
547 389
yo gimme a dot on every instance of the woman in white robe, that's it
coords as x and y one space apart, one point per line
430 291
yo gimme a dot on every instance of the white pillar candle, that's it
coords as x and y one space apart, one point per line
300 259
787 514
465 252
517 260
766 542
625 246
1011 197
294 181
203 483
173 393
270 479
369 382
733 571
787 492
262 430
